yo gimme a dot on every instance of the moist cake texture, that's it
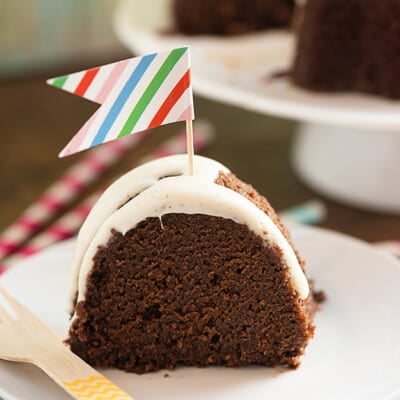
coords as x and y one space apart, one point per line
192 289
230 17
349 45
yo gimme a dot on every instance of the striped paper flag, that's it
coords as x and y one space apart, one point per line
135 94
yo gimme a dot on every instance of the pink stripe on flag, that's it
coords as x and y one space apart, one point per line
187 114
110 82
75 143
77 140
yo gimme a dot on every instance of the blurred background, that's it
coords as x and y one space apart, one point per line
40 39
45 34
45 38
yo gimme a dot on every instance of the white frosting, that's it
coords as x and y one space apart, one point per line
154 197
127 187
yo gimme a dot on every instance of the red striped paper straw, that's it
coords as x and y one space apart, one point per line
64 228
64 192
68 225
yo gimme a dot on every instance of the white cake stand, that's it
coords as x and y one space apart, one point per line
357 167
347 146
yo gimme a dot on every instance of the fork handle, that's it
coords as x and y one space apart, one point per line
76 377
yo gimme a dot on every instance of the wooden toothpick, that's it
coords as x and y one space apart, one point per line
189 144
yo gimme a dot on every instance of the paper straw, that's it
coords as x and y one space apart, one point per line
68 225
390 246
64 228
314 212
64 191
309 213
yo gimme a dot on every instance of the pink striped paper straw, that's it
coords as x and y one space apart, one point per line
64 228
64 192
390 246
68 225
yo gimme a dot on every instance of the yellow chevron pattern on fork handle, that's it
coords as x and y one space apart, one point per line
76 377
96 387
27 339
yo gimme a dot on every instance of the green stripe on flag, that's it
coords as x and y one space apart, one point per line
151 90
59 82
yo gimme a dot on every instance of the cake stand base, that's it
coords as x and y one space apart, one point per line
359 168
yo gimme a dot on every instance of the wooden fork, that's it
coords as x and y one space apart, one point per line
24 338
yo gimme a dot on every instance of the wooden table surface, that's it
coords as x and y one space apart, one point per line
36 121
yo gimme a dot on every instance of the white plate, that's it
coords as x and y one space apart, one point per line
355 353
236 70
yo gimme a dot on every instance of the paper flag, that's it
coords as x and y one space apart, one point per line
135 94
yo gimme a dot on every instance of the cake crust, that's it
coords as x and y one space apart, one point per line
191 289
349 46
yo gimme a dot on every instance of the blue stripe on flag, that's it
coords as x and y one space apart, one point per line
122 98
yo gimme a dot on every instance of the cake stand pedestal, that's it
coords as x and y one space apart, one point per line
357 167
357 164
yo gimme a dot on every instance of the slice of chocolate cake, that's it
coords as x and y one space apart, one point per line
173 269
349 45
230 17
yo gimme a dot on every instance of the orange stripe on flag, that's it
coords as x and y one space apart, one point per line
170 101
86 81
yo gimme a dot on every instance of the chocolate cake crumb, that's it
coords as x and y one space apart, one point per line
319 296
349 46
231 17
200 290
